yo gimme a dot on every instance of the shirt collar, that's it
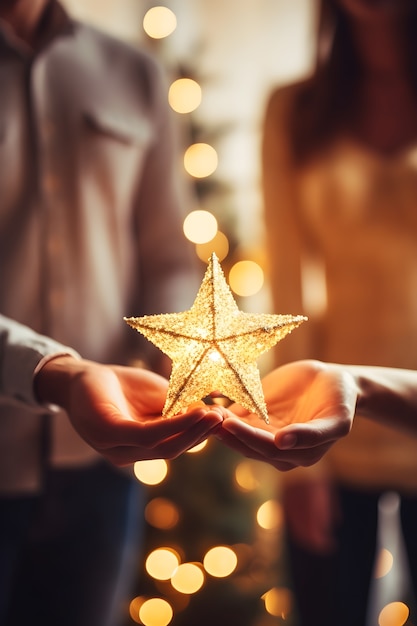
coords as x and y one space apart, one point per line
53 22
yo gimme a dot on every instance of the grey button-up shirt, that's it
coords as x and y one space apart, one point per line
90 208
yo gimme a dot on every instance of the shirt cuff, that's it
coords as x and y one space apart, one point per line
51 357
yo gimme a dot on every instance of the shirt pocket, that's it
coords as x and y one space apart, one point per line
125 129
112 154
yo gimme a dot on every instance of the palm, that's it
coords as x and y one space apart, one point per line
307 401
143 390
302 392
117 410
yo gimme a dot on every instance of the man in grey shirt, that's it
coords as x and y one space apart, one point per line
90 231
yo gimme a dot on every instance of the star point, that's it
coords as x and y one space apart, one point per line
214 346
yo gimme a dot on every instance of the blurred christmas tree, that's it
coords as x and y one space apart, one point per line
210 499
214 497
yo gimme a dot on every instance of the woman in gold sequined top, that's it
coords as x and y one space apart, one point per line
340 197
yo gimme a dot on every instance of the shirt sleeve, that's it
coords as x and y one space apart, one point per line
22 350
287 242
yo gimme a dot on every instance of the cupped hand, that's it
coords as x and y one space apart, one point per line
117 410
311 405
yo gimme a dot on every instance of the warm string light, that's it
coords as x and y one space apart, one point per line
165 564
188 578
162 563
219 245
384 563
198 447
151 472
246 278
269 515
159 22
394 614
200 226
220 561
278 602
155 612
245 477
184 95
201 161
162 513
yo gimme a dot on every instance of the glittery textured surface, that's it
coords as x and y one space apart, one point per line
214 346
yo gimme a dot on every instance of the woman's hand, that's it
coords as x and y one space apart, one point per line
310 404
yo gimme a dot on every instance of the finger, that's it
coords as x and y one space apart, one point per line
237 409
260 444
274 461
314 433
150 432
268 456
166 449
255 443
173 446
188 432
248 433
238 445
305 457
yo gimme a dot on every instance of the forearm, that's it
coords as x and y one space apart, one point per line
21 350
388 395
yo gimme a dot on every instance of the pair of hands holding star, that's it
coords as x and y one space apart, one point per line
117 411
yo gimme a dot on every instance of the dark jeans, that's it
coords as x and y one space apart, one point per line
69 556
334 590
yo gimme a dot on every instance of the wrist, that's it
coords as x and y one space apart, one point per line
52 379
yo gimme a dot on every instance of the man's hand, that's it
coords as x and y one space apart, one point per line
310 404
117 410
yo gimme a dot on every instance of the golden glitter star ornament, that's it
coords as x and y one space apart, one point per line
214 346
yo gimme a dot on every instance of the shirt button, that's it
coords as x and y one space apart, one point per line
48 130
56 299
50 183
54 246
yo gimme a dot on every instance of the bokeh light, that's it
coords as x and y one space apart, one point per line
394 614
162 513
200 160
159 22
198 447
219 244
184 95
161 563
220 561
151 472
246 278
188 578
278 602
200 226
384 563
245 476
245 555
155 612
269 515
134 607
